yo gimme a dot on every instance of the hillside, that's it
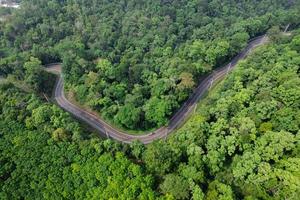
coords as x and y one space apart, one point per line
242 141
135 62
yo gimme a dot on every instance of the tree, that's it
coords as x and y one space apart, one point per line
296 43
137 149
197 193
217 190
129 116
33 71
186 81
158 109
59 135
266 126
105 69
238 41
274 33
176 186
159 158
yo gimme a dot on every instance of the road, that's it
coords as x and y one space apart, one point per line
106 130
9 5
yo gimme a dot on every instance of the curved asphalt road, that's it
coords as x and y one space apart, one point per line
106 130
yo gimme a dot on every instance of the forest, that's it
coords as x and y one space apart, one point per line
145 57
242 142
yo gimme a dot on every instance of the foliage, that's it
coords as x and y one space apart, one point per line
152 50
44 156
136 62
243 142
175 186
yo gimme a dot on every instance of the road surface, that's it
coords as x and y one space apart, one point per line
106 130
9 5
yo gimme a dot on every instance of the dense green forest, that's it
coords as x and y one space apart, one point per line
44 155
242 143
134 61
